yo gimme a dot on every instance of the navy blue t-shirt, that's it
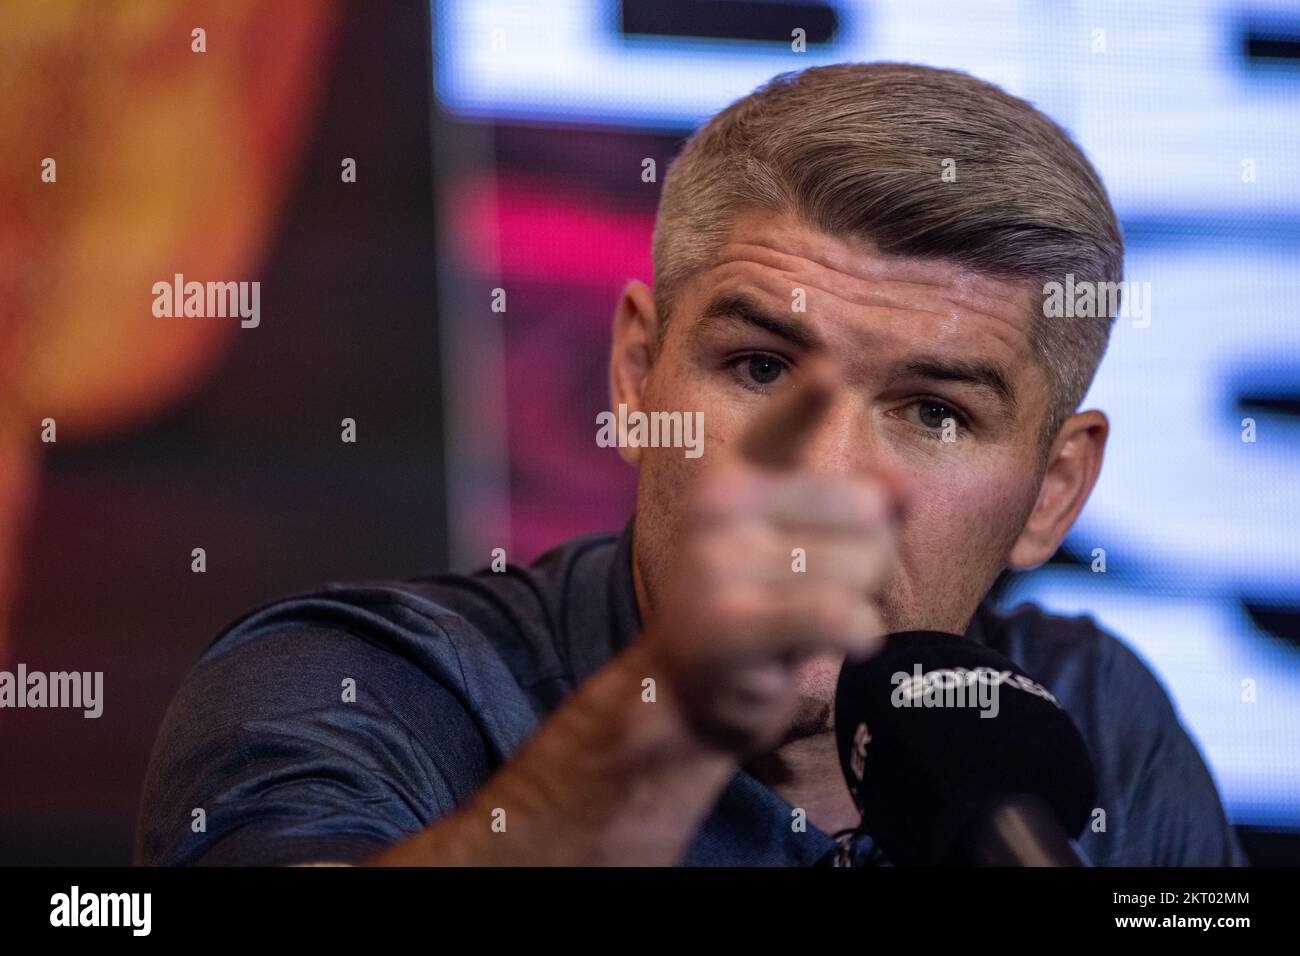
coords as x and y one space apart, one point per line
452 673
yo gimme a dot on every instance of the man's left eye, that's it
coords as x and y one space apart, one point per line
934 414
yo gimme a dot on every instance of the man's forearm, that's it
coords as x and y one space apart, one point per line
608 779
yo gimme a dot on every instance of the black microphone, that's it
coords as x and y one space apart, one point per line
955 756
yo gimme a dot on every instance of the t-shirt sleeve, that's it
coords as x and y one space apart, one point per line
304 744
1175 817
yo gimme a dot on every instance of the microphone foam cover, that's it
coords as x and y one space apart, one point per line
922 766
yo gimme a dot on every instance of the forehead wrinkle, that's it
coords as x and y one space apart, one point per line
742 309
960 293
786 234
878 294
859 320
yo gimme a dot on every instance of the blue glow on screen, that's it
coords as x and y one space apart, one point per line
1198 145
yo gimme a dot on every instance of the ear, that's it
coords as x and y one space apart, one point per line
636 329
1072 468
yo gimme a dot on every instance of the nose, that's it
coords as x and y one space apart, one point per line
847 444
844 442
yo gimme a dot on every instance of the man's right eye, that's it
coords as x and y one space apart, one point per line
758 370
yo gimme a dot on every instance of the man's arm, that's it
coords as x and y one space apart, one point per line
609 779
260 762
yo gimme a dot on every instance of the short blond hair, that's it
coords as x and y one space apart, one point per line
859 149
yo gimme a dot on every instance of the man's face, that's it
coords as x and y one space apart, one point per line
916 342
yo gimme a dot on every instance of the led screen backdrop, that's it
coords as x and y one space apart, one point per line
1191 111
196 432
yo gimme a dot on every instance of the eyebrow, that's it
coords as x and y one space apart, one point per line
978 374
740 307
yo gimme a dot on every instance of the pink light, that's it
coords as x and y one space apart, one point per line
538 233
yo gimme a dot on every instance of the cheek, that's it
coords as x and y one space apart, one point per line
666 477
960 526
667 473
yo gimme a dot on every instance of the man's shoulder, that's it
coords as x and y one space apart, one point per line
1066 648
459 627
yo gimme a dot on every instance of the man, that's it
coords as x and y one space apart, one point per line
849 273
